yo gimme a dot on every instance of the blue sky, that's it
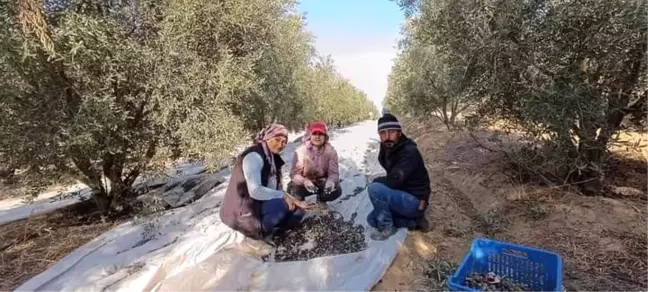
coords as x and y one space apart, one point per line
361 37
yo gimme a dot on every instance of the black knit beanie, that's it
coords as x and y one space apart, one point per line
388 122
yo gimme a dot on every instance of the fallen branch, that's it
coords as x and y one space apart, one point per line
472 135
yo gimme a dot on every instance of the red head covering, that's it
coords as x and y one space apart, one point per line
318 126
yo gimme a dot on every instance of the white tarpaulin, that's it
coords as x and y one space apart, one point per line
190 249
15 209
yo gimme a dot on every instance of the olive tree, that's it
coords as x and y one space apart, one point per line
567 73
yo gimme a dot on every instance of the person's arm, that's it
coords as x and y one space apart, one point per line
252 165
296 170
400 171
333 174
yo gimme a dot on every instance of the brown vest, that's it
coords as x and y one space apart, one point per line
239 211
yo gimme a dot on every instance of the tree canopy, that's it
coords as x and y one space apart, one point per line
100 89
567 72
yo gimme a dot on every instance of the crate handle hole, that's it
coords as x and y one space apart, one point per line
516 253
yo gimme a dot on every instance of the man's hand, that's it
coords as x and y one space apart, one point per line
329 187
310 186
421 206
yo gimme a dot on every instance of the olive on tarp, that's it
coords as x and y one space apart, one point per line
317 236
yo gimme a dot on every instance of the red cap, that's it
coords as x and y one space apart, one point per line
318 127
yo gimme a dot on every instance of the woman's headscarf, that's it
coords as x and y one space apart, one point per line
269 132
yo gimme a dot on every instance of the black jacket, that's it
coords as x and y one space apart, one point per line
405 169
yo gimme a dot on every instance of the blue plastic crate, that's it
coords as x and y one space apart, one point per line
540 270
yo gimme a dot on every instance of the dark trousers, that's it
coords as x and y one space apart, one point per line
275 215
301 192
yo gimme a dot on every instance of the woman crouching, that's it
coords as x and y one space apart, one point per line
315 167
254 203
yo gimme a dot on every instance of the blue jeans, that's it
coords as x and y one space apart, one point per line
392 208
275 214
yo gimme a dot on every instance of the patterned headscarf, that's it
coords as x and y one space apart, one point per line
269 132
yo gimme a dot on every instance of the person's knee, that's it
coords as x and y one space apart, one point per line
375 190
332 196
336 193
275 212
298 214
277 207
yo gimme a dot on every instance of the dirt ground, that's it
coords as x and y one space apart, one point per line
30 246
602 240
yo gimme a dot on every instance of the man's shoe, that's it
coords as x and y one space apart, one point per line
380 235
423 225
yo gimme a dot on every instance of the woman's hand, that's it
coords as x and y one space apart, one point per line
310 186
294 203
328 188
290 202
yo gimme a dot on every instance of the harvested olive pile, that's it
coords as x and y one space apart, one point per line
492 282
319 236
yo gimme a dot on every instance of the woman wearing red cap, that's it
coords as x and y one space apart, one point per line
315 167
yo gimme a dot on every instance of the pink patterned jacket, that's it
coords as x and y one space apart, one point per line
314 164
